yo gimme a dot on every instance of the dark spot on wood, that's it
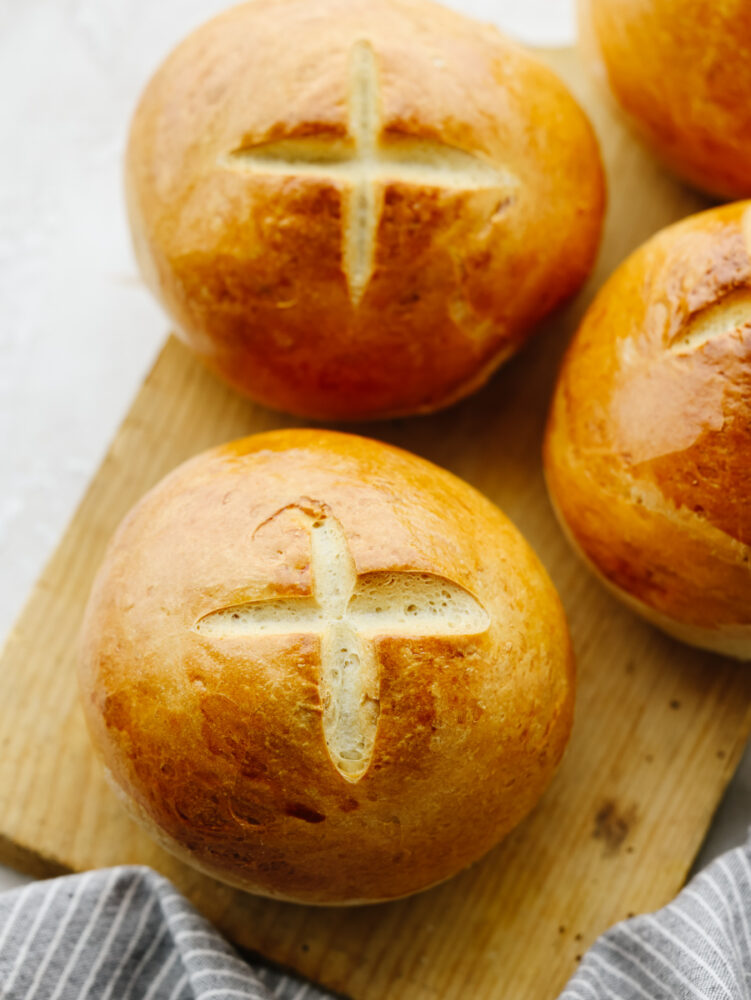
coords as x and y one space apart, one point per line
349 805
298 811
612 825
674 704
721 754
578 958
649 758
561 929
305 947
630 915
577 937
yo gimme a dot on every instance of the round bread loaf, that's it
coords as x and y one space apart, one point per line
359 208
648 448
681 69
324 670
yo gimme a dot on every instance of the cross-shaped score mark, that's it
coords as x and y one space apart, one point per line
366 163
348 613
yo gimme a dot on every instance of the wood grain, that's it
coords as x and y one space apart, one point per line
659 727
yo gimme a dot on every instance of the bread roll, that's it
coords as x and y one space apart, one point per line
649 439
359 208
681 69
324 670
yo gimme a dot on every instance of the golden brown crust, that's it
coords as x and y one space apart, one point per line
252 262
650 429
682 71
219 740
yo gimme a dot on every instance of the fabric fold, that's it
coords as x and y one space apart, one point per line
126 934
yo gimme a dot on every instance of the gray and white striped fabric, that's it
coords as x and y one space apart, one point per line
122 934
126 934
697 948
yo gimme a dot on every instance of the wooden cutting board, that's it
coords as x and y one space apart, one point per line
659 727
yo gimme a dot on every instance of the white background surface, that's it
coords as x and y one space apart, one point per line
77 330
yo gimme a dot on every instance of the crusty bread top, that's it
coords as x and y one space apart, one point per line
650 431
358 207
682 69
221 680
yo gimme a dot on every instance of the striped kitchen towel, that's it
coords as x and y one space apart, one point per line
697 948
126 934
123 934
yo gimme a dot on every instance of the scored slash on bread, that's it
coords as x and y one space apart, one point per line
348 613
364 161
332 700
648 440
359 208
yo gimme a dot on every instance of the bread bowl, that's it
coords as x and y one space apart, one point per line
649 436
681 70
324 670
359 208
